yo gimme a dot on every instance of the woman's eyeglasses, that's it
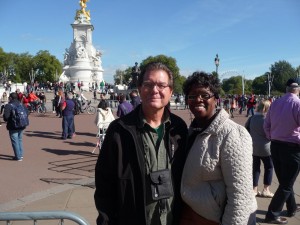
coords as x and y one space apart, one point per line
201 96
151 85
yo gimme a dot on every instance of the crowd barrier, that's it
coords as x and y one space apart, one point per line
42 215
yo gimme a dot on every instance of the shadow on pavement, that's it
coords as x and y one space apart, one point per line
56 135
83 166
87 144
86 134
6 157
67 152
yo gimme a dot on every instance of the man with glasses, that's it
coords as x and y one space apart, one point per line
140 165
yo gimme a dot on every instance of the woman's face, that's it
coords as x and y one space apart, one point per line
203 107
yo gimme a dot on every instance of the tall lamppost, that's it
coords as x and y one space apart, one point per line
243 83
217 62
270 81
32 76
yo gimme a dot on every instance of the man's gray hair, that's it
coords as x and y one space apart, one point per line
292 89
69 95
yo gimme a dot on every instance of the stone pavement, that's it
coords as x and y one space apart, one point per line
58 174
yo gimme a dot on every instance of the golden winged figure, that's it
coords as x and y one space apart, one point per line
82 3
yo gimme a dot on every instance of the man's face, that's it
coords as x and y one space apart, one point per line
155 92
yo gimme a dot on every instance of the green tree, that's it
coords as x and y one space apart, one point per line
178 84
46 66
214 73
125 74
24 63
2 59
260 85
282 71
171 63
232 85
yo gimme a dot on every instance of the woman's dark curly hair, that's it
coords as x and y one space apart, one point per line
202 79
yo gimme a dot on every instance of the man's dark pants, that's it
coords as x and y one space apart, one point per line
286 160
68 126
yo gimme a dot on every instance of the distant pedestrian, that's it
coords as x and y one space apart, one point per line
251 105
102 86
261 149
4 101
124 107
67 108
232 105
14 124
241 101
95 95
58 100
135 99
103 104
282 127
177 101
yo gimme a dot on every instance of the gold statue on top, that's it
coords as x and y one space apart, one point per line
82 4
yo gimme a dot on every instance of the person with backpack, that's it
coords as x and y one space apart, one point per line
124 107
16 116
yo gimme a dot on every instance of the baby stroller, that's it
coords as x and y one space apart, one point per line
103 119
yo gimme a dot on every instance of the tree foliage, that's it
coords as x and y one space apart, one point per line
46 66
282 71
260 85
123 77
171 63
19 66
168 61
234 85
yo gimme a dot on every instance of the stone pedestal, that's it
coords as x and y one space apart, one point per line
82 62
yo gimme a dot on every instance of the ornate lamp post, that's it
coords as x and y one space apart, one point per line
32 76
270 81
243 83
217 62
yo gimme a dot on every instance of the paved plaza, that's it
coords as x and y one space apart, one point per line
58 174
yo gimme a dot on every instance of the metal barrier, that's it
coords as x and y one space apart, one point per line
42 215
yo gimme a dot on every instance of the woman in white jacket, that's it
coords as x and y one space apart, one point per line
217 178
103 118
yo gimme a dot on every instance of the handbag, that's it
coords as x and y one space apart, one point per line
161 184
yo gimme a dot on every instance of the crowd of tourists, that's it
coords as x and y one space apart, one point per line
154 169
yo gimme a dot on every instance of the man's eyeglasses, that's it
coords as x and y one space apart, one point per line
201 96
151 85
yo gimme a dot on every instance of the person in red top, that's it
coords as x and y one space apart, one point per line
20 94
251 105
25 101
33 99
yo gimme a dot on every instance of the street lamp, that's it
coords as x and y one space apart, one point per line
270 81
243 83
32 76
217 62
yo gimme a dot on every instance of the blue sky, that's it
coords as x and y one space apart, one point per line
248 35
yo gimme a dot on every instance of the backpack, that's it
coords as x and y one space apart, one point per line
19 116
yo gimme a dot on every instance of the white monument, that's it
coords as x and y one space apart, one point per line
82 62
